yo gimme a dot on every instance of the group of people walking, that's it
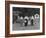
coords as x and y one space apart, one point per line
27 21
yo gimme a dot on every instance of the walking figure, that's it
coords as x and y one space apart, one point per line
26 20
32 19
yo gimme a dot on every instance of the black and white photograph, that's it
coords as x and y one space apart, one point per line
26 18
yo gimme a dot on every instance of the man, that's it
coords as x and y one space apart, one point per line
32 18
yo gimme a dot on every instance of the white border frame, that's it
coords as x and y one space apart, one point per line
25 31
